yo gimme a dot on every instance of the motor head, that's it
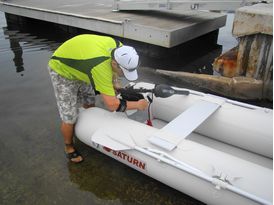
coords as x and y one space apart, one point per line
163 91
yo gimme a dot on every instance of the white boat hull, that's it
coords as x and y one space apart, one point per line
248 171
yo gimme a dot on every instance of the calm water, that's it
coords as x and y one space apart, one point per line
33 166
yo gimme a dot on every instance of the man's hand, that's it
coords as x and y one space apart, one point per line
112 103
142 104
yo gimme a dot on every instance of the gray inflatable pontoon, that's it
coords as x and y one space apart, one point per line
216 150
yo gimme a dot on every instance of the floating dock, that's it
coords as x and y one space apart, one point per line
162 28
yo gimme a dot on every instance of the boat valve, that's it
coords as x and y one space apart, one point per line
220 181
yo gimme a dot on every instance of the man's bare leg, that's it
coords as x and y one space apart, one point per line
67 132
86 106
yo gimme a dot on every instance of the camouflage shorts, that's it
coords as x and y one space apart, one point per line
70 95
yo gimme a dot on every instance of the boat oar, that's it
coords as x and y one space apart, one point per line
122 140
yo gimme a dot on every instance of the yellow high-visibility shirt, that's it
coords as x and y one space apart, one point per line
86 57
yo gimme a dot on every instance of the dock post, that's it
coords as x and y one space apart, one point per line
253 26
253 57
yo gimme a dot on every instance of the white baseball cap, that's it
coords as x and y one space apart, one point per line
128 60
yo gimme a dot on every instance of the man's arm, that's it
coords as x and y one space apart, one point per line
112 103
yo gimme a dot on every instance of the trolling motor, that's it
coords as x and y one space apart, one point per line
163 91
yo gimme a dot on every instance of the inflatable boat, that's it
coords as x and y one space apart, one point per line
216 150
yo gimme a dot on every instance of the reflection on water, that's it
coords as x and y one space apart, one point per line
20 41
33 166
16 48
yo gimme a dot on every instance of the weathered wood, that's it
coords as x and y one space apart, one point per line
253 57
236 87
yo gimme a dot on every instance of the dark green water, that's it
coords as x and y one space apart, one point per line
33 168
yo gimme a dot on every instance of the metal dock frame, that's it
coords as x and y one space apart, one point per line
217 5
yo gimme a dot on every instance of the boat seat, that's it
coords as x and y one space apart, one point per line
184 124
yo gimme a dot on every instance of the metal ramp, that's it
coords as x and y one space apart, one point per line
226 5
